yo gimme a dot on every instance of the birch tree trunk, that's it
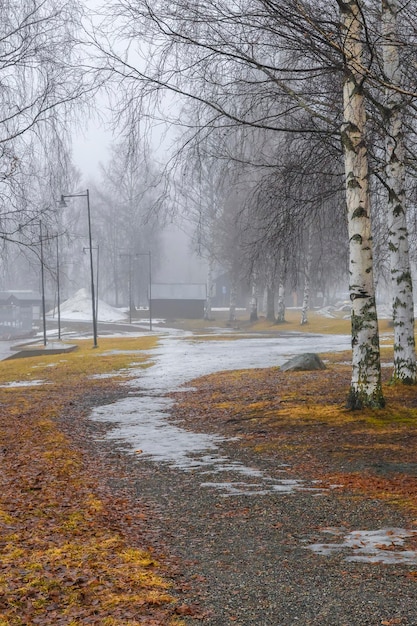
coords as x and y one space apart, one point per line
307 279
207 308
233 298
281 297
401 283
281 289
270 303
366 389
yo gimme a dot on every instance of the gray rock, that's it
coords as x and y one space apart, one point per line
307 361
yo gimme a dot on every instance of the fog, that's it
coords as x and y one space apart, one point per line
180 197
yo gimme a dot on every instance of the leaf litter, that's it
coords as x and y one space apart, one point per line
66 556
46 548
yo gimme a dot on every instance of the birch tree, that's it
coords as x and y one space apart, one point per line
40 79
398 242
282 264
366 389
307 277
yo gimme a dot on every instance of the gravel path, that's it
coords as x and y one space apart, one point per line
244 559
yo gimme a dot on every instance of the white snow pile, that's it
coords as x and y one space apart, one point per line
24 383
332 311
342 309
79 308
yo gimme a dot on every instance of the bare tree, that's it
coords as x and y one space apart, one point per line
40 78
129 220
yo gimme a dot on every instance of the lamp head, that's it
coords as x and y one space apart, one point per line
62 204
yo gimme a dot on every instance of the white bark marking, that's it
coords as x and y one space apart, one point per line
366 368
401 283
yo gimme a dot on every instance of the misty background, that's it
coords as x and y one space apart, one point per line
218 174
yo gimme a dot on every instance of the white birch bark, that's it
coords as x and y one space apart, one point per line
209 287
281 289
365 387
401 282
281 303
307 279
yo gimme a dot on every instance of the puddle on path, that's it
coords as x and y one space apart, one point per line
385 545
150 434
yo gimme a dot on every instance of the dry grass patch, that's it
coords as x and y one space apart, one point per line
64 558
300 418
338 325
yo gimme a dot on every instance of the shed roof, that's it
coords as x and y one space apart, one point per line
23 297
179 291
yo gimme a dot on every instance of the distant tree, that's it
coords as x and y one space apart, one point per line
129 219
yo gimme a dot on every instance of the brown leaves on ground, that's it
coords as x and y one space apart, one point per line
71 554
299 418
65 557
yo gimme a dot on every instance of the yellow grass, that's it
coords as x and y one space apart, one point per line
57 548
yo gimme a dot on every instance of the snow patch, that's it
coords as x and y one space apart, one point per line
24 383
140 422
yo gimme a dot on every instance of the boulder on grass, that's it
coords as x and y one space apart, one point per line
303 362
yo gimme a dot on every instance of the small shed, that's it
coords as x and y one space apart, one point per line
178 300
18 310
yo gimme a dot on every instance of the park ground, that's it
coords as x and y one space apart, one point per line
76 551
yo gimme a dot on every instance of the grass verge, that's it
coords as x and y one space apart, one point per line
63 557
300 419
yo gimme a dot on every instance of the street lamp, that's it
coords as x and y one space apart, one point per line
58 288
93 300
43 285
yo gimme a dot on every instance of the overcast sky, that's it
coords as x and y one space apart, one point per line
90 149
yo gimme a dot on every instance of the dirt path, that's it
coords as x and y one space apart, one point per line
245 558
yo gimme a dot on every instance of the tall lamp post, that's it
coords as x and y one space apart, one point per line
93 300
58 288
43 285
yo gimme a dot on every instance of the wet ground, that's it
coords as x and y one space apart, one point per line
260 546
253 544
141 421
